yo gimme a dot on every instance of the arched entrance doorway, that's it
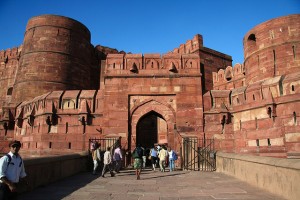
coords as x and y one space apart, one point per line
152 122
149 128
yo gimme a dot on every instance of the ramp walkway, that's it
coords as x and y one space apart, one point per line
154 185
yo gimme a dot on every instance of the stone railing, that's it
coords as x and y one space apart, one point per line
47 169
276 175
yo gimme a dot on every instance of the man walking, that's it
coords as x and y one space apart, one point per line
117 157
107 161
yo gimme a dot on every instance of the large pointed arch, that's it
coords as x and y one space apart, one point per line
146 107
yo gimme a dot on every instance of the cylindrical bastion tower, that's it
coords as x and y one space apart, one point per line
56 55
272 48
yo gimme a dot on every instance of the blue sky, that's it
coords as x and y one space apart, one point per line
150 26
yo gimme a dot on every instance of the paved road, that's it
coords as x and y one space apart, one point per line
154 185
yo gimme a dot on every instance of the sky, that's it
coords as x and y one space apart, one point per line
150 26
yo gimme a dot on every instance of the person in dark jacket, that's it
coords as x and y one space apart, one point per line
137 155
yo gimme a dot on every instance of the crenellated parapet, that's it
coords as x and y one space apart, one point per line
191 46
229 78
57 117
251 118
258 93
9 58
9 61
152 64
56 110
13 53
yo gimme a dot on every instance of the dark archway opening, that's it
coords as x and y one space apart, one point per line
147 129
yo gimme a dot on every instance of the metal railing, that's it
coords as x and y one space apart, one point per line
199 154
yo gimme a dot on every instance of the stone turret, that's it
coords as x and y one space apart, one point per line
272 48
56 55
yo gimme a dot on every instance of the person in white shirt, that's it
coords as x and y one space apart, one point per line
107 161
153 153
11 171
96 157
171 159
117 158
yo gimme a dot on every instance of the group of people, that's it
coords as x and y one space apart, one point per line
110 162
12 169
158 155
164 157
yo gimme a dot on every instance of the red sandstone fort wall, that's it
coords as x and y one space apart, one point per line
259 112
253 107
9 61
135 80
260 118
211 60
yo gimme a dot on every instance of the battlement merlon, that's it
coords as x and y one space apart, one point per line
149 64
10 53
190 46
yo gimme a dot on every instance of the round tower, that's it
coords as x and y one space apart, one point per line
56 55
272 48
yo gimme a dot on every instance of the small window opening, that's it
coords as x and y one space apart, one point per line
36 145
237 100
254 97
269 142
68 104
256 126
151 64
9 91
114 65
67 127
270 112
70 145
50 145
83 123
223 123
295 118
228 78
257 142
274 59
294 52
252 37
293 88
